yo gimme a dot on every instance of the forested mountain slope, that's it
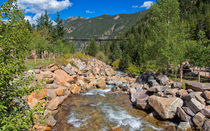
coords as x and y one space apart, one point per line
105 26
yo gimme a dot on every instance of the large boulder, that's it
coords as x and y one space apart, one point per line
199 119
188 111
60 91
176 85
165 107
206 126
197 96
143 78
196 86
206 95
184 126
101 84
206 112
75 89
54 103
62 77
132 94
161 79
194 105
141 100
182 115
67 70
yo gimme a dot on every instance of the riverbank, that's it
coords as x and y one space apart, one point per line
146 93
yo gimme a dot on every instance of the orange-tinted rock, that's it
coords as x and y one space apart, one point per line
41 128
116 128
101 84
206 95
60 90
75 89
62 77
54 103
34 97
182 92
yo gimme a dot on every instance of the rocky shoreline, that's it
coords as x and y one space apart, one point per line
152 92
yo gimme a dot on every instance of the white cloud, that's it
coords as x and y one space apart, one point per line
147 4
135 6
89 12
37 7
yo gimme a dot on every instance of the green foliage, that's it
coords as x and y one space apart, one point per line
124 62
116 64
92 48
101 56
133 69
106 26
14 43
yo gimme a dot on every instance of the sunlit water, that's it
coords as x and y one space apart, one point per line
100 110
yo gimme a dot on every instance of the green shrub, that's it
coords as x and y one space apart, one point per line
133 69
116 63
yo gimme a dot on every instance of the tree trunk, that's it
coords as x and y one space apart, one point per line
199 75
35 59
181 73
26 59
49 58
42 56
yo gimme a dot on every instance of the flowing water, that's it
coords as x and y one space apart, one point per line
100 110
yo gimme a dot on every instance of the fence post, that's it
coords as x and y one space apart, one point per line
199 75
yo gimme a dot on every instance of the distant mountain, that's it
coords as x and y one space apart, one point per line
105 26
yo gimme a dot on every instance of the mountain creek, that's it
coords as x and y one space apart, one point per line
88 95
101 110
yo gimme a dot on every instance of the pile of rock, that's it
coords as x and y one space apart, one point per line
79 76
169 101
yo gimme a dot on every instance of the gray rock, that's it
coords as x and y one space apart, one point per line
176 85
199 119
51 86
196 86
132 94
51 93
188 111
141 101
206 95
182 115
165 107
206 126
161 79
194 105
206 112
51 121
67 70
198 97
184 126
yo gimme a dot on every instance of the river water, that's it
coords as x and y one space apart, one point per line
100 110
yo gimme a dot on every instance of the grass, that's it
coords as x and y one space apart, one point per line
31 64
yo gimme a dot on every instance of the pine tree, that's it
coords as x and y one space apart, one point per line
59 28
92 48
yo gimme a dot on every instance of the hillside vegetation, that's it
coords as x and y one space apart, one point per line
105 26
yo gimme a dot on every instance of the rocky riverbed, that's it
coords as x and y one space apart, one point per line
75 98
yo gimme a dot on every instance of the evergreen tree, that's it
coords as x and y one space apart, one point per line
59 28
92 48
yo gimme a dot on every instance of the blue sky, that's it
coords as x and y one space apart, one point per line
85 8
